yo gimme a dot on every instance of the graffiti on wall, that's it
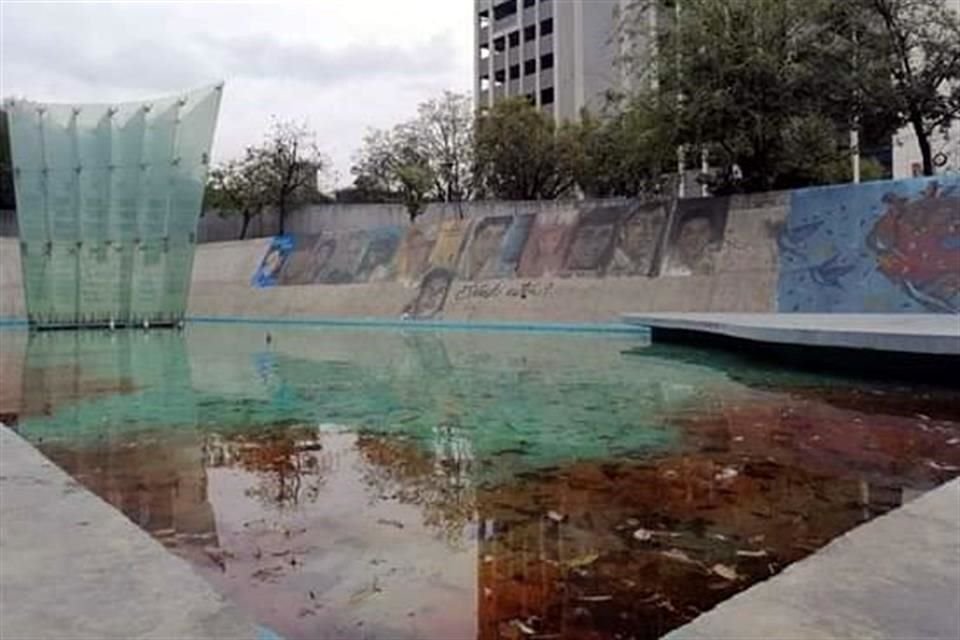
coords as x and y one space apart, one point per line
874 247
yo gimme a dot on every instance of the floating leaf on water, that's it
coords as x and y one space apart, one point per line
582 561
941 467
523 627
725 572
391 523
643 535
632 522
953 441
677 554
555 516
745 553
729 473
603 598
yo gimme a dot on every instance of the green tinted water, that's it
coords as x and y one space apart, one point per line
546 398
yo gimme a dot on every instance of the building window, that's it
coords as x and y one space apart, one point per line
546 27
484 19
514 72
546 96
499 76
529 3
499 44
530 66
529 33
484 51
546 61
514 39
504 9
484 83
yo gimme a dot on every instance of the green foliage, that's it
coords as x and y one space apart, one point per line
522 156
281 173
626 153
286 167
771 88
915 45
429 158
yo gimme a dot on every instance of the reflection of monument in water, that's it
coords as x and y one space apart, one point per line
88 407
108 198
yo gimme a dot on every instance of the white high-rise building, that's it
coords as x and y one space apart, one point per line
561 54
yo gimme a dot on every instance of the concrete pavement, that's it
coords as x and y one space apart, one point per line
897 576
933 334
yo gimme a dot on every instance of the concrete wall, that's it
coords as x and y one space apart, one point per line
885 246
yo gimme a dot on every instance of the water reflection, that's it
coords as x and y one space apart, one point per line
378 484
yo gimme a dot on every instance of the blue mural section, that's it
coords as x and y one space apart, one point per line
882 247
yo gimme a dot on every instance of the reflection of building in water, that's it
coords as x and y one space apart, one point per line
78 389
160 484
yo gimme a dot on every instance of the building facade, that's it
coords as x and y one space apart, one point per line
108 199
562 55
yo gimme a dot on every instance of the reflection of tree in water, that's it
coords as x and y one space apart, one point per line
289 463
439 485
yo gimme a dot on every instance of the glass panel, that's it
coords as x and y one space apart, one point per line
109 197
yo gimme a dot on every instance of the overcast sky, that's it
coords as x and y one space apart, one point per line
341 65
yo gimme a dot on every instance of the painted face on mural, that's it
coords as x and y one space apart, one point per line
433 293
486 245
589 246
694 239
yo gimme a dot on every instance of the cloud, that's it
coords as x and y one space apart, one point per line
341 66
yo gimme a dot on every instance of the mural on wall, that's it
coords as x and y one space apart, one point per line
278 253
413 254
481 251
431 295
446 250
592 243
376 265
547 244
638 235
310 255
873 247
696 236
344 262
514 242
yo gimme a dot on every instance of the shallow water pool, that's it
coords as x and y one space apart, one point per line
388 483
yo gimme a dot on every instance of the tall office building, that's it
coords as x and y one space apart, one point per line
561 54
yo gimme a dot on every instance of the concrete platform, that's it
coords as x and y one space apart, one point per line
897 576
73 567
922 334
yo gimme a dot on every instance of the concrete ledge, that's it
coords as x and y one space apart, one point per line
929 334
73 567
895 577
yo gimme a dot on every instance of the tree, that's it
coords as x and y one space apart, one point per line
443 131
391 167
520 154
428 158
918 44
235 189
626 152
286 166
748 80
